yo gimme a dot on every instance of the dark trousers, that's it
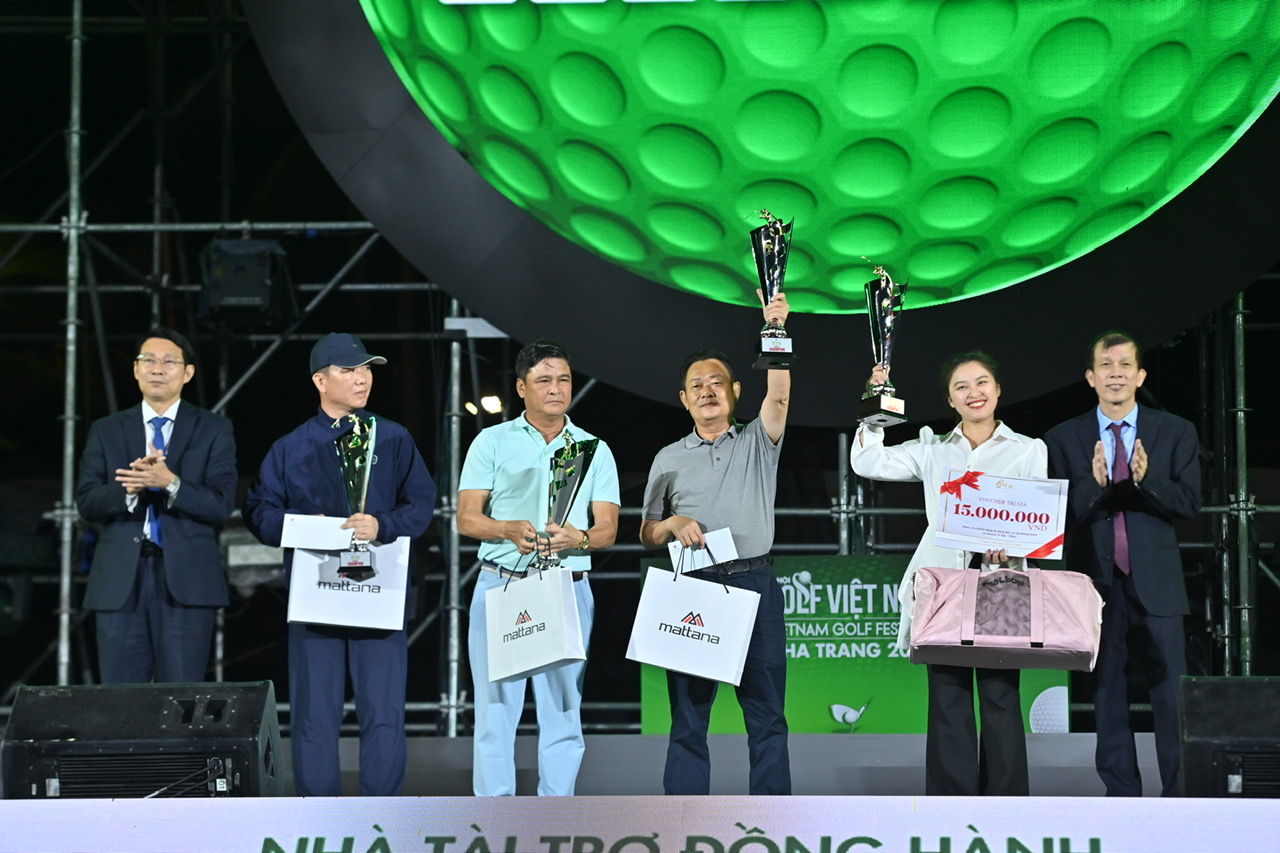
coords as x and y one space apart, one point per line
761 694
1158 645
153 637
956 764
318 659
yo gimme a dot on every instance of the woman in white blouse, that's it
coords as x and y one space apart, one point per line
979 442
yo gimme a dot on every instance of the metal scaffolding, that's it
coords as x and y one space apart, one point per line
1231 519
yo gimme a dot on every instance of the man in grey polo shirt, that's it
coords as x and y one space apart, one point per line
725 474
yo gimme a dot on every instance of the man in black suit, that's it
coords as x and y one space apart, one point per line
160 477
1133 471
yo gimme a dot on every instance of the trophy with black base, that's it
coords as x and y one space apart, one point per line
569 465
355 453
770 245
884 303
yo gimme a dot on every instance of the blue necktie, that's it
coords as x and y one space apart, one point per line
158 443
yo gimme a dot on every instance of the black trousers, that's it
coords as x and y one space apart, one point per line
153 637
1157 644
761 694
956 763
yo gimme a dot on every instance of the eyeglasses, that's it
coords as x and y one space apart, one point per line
150 363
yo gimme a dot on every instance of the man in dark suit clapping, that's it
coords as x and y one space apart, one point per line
160 477
1133 471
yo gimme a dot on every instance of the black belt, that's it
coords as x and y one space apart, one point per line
501 571
737 567
151 549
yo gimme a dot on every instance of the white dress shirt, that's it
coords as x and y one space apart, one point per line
927 460
131 501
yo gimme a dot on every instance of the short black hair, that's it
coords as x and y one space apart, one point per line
535 352
704 355
949 366
188 352
1114 338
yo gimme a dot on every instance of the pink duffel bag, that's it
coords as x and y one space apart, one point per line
1005 619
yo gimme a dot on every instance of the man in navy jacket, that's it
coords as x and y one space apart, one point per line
1120 518
302 475
160 477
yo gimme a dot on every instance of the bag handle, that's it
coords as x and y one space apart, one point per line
516 570
714 561
710 554
969 607
1037 608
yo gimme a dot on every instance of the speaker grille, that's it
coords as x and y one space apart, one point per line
190 775
1260 774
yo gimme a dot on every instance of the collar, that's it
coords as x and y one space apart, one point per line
694 440
522 424
323 419
1105 421
1002 433
172 413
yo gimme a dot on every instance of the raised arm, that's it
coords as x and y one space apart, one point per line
777 399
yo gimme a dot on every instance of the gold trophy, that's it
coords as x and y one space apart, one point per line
770 244
355 453
569 466
884 303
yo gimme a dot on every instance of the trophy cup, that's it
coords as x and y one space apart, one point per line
355 453
569 465
884 304
770 244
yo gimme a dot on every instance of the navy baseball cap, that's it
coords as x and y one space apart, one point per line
341 350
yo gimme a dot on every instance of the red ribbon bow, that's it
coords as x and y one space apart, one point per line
970 478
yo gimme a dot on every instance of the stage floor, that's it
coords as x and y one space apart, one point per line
821 765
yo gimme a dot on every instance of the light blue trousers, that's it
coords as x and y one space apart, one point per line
557 696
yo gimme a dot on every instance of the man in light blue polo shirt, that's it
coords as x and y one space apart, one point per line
502 501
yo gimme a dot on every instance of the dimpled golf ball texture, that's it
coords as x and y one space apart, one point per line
965 145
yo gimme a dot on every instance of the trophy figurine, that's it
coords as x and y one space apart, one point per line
884 304
355 453
569 465
770 244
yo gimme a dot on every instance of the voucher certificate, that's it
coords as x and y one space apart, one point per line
986 512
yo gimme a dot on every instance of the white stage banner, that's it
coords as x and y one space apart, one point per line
716 824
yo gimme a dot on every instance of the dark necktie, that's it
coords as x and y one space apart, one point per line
158 443
1120 473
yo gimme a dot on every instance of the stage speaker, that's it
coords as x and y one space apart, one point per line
1231 736
246 285
143 740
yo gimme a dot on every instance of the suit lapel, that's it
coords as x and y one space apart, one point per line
183 428
133 435
1148 425
1088 432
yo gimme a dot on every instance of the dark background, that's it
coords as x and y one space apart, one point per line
258 167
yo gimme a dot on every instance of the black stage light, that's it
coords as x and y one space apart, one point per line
246 285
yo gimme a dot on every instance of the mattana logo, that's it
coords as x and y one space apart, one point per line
525 627
685 628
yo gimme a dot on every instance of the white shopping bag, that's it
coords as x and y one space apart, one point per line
532 624
318 594
693 626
